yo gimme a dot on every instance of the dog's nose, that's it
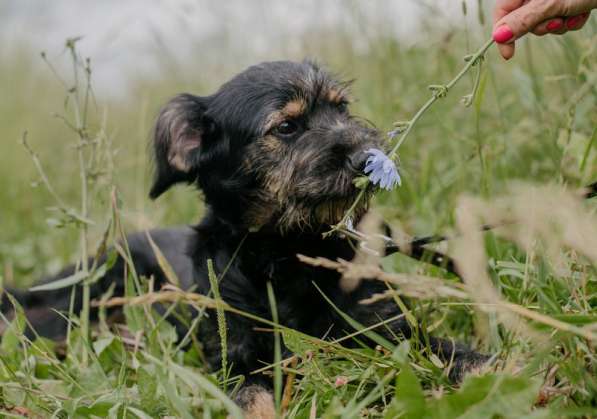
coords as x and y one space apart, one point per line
357 161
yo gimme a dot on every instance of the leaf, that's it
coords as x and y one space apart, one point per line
376 337
70 280
360 182
400 354
170 389
115 411
489 396
193 379
296 343
492 395
150 399
10 347
101 344
410 400
585 156
99 410
578 319
77 277
511 272
100 272
436 361
134 315
139 413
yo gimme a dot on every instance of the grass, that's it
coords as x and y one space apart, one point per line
528 135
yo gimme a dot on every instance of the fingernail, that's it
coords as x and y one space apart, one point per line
575 21
502 34
554 25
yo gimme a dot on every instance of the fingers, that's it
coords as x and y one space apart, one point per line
515 18
575 23
555 26
504 7
506 50
559 25
524 19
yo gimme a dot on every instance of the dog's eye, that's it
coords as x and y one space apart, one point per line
342 106
287 128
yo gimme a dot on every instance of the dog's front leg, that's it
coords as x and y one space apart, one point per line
256 401
459 358
247 349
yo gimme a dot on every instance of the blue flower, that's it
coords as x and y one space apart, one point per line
381 170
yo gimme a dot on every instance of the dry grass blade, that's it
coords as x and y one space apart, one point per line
370 226
168 296
547 219
584 332
163 262
411 285
288 387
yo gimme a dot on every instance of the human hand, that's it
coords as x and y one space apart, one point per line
515 18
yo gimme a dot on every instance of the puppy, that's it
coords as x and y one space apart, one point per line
274 152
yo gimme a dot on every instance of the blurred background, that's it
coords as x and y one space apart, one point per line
534 118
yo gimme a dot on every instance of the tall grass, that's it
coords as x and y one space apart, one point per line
529 291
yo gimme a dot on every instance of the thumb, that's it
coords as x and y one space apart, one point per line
522 20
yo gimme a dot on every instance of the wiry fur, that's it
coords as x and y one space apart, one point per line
270 194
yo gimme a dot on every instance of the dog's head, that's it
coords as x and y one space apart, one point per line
275 146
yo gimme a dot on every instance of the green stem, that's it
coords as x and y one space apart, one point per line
348 213
474 59
277 349
80 129
221 318
412 123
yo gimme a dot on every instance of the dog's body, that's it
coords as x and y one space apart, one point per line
275 152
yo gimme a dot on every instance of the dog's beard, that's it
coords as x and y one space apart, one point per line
332 212
302 216
306 204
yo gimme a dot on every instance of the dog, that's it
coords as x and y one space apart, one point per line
274 151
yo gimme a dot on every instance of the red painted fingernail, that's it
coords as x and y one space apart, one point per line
502 34
554 25
576 21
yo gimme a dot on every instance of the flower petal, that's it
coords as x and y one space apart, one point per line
388 165
381 169
375 176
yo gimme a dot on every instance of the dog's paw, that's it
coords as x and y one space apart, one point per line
257 402
472 363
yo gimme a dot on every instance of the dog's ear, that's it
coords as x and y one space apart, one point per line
179 135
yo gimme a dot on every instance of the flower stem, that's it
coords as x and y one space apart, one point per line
473 59
470 63
342 224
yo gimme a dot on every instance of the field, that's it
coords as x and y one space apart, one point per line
516 157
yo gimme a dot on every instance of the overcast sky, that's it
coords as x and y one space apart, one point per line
125 38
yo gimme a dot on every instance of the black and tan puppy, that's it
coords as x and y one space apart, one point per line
274 151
